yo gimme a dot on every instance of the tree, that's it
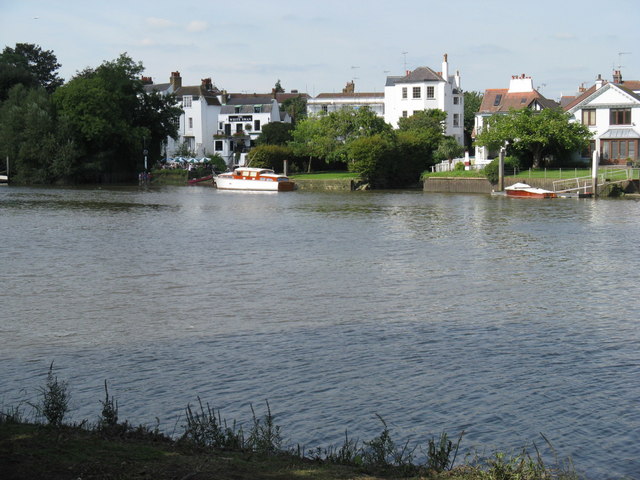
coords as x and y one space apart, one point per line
534 136
296 107
29 136
112 119
472 102
28 65
448 149
270 156
278 88
372 158
276 133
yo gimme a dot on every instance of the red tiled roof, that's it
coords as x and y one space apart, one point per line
500 100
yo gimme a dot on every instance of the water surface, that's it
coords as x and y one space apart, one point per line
501 317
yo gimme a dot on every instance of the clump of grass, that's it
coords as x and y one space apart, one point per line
439 453
54 402
381 452
265 435
109 414
206 429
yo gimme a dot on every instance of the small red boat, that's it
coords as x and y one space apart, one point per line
527 191
193 181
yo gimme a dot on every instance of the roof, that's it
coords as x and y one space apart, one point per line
246 108
630 87
500 100
281 97
210 96
620 133
420 74
350 95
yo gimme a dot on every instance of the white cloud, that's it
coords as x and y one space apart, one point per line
159 22
197 26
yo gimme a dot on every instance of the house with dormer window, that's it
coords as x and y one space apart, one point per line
520 94
611 110
426 89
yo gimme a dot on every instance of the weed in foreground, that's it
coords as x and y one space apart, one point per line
54 404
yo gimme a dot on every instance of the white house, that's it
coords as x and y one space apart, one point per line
424 89
611 110
520 94
201 107
240 123
349 98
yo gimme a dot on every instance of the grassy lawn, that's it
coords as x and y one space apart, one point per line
555 174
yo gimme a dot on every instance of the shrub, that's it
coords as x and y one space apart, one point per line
511 164
54 404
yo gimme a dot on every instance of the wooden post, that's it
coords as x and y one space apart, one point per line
594 173
285 163
501 170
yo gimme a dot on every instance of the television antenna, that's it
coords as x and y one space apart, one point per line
405 60
620 58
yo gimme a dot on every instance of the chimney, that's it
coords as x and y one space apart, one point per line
350 88
599 82
445 68
206 84
175 81
617 76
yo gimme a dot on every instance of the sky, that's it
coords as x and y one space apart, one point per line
317 46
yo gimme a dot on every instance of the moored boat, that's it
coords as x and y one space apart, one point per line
250 178
526 190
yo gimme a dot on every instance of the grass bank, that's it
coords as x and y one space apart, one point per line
43 445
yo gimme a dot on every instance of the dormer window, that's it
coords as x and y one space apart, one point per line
257 108
497 100
186 101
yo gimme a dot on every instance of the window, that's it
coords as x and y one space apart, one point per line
456 100
497 100
237 109
257 108
431 92
416 92
325 108
456 119
190 122
238 128
620 116
589 116
186 101
218 146
619 151
404 92
404 114
256 125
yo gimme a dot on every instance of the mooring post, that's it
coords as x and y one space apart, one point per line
501 170
285 164
594 172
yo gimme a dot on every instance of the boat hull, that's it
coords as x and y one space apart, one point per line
254 185
524 190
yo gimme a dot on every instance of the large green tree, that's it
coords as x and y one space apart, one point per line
28 65
533 136
275 133
112 119
328 136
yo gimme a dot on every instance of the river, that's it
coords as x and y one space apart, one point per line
505 318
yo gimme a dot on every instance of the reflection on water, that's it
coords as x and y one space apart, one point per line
503 317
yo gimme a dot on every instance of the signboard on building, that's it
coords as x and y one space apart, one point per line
240 118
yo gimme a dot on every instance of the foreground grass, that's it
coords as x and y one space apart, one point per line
36 451
29 451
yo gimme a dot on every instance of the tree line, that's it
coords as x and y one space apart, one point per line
98 126
93 128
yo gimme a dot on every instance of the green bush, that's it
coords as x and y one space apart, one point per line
511 165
